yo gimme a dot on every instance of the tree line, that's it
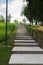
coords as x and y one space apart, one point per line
2 19
34 11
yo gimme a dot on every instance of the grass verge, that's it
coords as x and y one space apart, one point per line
5 52
37 33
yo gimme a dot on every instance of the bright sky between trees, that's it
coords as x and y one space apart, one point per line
14 8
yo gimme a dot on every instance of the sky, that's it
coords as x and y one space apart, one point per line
14 8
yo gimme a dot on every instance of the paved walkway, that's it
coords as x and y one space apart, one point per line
26 50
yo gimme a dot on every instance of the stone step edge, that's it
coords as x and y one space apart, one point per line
25 64
27 45
32 57
27 52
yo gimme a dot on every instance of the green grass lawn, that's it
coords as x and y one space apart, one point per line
3 30
5 52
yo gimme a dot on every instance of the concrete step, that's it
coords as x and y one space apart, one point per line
22 34
26 59
23 38
24 31
24 41
21 30
27 50
25 44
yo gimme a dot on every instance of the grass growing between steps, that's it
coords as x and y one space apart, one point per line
5 52
37 33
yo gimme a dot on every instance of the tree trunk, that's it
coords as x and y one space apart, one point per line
30 23
42 23
36 22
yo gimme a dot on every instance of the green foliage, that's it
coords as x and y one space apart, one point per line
16 21
34 10
3 30
5 52
2 18
9 17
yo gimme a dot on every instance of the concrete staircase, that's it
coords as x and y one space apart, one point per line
26 50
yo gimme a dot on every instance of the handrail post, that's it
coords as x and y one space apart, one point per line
36 36
32 32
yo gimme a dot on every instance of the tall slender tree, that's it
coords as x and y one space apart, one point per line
9 17
2 18
35 9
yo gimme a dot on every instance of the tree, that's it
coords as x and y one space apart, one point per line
27 13
2 18
16 21
9 17
41 10
24 20
34 10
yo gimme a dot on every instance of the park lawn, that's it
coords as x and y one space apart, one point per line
3 30
5 52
